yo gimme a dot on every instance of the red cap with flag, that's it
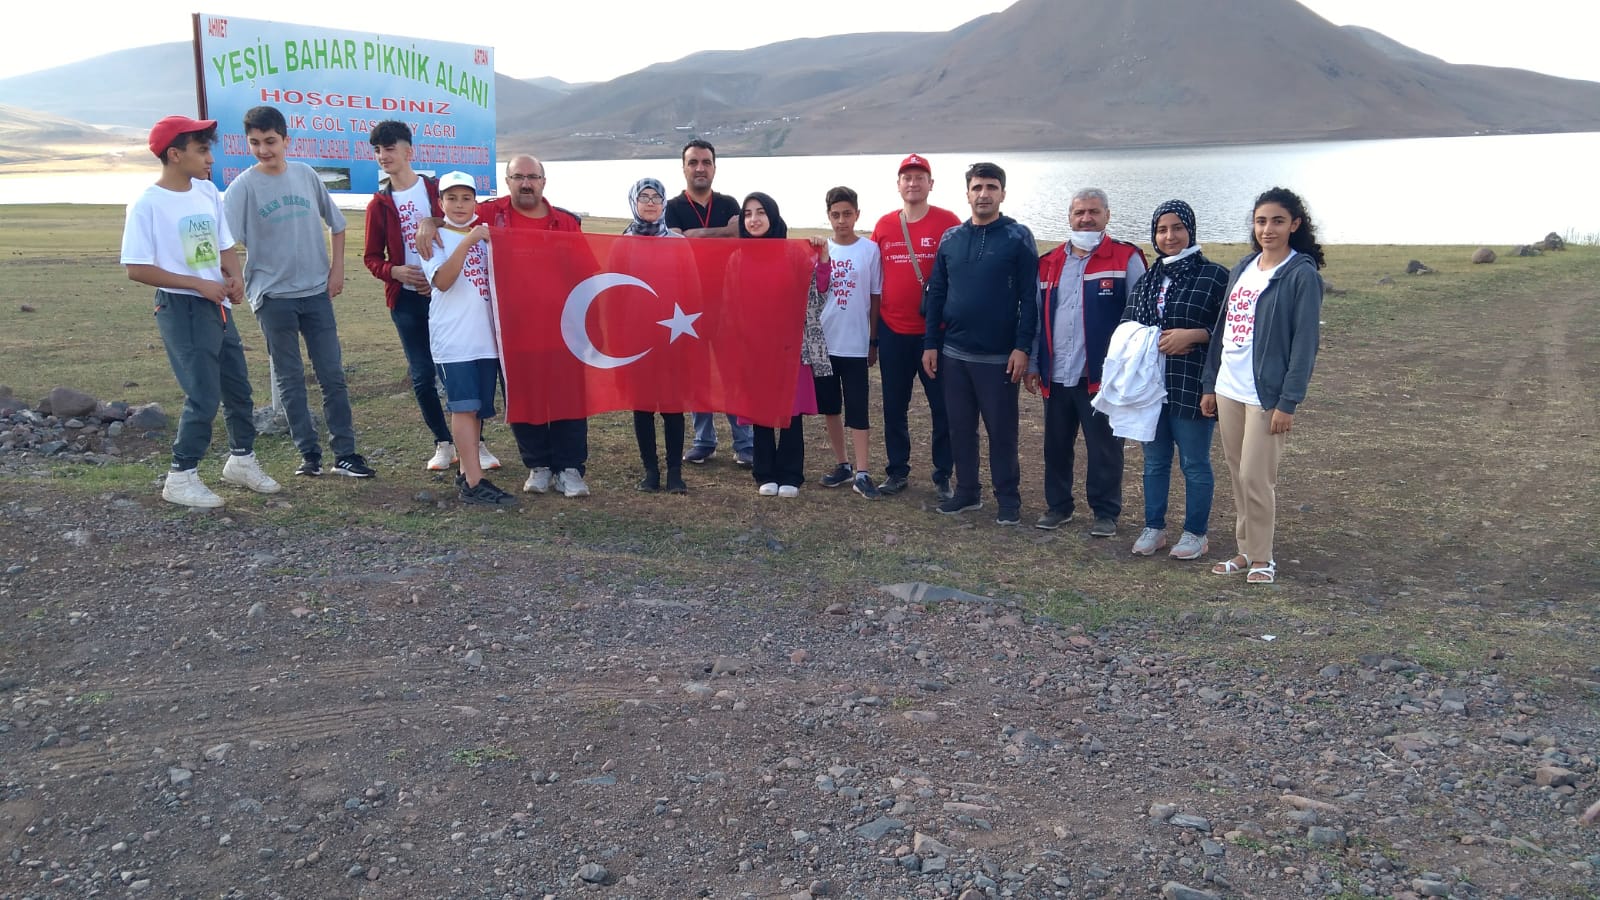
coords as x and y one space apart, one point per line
914 161
164 131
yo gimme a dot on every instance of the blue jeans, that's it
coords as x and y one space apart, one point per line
705 434
410 315
283 321
900 367
1193 440
208 361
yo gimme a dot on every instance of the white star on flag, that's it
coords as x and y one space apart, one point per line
680 324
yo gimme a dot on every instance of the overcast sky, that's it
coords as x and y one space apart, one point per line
596 40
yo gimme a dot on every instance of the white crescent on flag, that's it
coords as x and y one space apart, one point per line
575 316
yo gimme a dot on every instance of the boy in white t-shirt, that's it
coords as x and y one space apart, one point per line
850 326
461 330
176 240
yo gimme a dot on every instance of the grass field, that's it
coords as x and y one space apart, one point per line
1438 498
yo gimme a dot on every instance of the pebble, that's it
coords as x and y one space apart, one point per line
1173 890
593 873
1185 820
180 778
473 659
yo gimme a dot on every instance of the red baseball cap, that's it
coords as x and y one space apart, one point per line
162 133
914 162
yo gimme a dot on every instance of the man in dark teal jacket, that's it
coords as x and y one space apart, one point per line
982 310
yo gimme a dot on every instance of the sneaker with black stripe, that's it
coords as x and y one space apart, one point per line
484 493
354 466
311 467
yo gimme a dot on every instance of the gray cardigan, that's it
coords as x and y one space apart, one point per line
1287 333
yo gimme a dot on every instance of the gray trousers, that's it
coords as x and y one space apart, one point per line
284 320
208 361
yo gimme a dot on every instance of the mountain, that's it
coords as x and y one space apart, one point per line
135 87
29 140
1043 74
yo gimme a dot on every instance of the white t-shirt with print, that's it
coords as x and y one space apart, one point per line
183 232
460 321
413 206
1236 379
846 318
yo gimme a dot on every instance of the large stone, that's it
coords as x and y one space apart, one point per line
1172 890
1418 267
1527 250
150 417
1483 255
593 873
1554 776
1553 241
65 402
877 828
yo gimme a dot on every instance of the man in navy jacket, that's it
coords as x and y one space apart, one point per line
1084 287
982 310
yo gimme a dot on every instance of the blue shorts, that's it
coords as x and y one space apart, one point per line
470 386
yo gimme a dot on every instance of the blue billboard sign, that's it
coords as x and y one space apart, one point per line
332 86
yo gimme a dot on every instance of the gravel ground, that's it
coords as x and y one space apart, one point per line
200 705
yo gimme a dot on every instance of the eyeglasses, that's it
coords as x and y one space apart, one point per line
522 178
650 198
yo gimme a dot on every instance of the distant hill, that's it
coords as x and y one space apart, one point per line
29 138
1043 74
135 87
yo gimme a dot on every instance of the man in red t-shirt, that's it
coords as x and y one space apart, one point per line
906 267
555 453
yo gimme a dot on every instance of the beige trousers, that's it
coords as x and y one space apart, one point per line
1252 453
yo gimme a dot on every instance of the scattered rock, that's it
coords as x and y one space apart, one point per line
592 873
65 402
473 659
877 828
1483 255
1553 241
1173 890
149 417
1526 250
26 308
179 778
1417 267
1590 815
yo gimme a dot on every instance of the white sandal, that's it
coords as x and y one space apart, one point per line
1266 574
1231 566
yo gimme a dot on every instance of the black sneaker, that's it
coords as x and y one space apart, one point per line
311 466
1051 520
354 466
954 505
892 485
863 485
946 492
699 455
841 474
651 482
484 493
1008 517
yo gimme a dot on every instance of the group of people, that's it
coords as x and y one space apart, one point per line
1115 346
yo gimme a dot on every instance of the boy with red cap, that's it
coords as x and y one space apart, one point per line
176 240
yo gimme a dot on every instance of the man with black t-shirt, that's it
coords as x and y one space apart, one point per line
701 212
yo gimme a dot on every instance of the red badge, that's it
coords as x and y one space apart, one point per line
1106 283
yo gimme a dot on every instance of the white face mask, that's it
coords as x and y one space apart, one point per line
1087 240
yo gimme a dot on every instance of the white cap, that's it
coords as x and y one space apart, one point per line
457 179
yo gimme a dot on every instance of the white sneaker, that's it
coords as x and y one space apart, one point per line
444 456
1150 540
571 484
789 490
538 481
770 489
486 460
246 472
185 489
1190 546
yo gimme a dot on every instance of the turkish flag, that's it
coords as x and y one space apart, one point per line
593 323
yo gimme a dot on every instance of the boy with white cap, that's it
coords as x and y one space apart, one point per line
461 330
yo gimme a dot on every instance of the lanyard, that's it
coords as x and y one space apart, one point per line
705 220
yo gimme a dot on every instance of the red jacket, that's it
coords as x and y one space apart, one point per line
498 213
385 245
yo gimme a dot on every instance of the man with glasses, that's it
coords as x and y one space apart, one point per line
701 212
555 453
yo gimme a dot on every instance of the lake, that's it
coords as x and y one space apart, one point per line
1504 189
